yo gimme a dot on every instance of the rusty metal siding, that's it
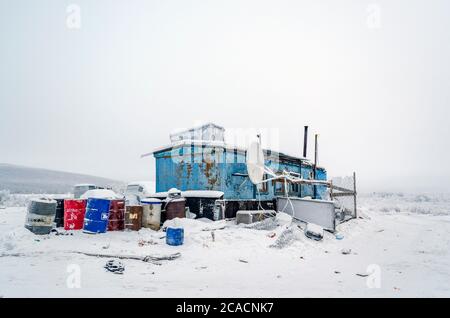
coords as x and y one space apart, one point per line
307 173
216 168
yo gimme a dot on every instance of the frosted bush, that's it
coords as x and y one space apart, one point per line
4 196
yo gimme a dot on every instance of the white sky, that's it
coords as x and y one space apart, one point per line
371 77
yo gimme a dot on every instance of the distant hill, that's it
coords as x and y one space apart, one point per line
19 179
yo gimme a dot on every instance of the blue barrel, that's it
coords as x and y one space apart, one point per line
96 216
174 236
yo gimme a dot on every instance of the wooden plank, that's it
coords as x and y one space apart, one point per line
342 189
343 194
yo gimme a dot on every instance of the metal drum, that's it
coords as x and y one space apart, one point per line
175 208
59 215
133 217
116 220
174 236
74 210
97 215
40 216
151 213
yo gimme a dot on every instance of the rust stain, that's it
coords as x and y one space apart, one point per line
189 169
211 177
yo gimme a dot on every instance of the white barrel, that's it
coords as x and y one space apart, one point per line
152 213
40 215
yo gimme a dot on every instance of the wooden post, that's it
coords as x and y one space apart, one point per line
331 190
354 194
286 190
315 165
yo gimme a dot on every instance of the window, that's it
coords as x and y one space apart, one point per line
294 188
279 187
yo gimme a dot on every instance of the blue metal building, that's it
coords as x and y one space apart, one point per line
214 165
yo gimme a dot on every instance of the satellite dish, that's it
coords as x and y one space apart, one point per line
255 163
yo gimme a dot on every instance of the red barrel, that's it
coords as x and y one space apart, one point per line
74 214
116 221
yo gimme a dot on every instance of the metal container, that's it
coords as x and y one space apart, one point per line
40 216
227 209
151 213
116 221
174 236
133 217
175 208
202 202
59 215
74 210
97 215
249 216
318 212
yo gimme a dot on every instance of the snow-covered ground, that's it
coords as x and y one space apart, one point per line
402 241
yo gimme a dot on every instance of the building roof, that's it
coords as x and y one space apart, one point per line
221 144
180 131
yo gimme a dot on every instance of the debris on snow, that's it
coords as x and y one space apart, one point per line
268 224
149 258
314 232
346 251
286 237
144 243
339 236
115 266
362 274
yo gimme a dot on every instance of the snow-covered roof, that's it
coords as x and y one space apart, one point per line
219 144
190 194
44 200
183 130
202 194
101 194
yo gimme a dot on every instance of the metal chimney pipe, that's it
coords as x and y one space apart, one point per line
305 141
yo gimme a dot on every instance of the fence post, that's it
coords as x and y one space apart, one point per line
354 194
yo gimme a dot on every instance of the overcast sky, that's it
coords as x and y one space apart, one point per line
91 95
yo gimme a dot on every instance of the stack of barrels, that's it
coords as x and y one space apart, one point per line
92 215
99 215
